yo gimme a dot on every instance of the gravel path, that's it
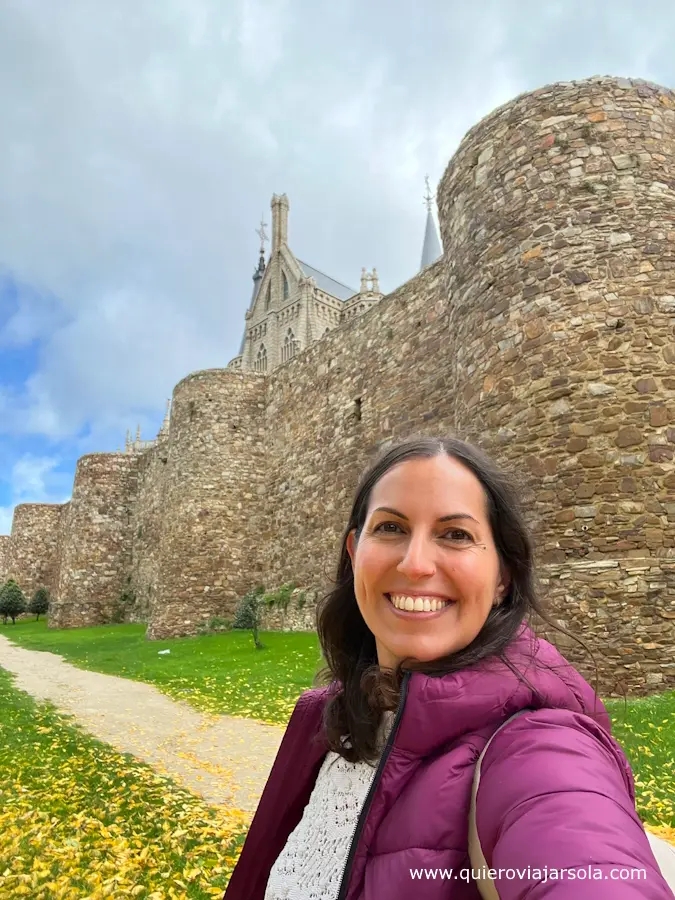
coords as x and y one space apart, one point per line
224 759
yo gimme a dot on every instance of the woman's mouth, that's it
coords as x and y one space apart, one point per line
418 607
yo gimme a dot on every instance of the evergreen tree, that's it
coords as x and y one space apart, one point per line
40 602
12 601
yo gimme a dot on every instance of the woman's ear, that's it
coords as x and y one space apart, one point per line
350 545
503 586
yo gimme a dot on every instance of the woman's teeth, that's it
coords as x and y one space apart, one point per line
418 604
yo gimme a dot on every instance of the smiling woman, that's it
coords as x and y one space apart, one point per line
421 557
429 652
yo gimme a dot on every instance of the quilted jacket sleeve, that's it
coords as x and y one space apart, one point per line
556 801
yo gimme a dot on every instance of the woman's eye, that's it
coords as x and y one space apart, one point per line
458 533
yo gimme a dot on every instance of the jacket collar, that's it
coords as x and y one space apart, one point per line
439 710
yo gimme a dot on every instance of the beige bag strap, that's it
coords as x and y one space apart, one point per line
485 885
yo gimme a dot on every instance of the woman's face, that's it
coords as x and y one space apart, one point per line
415 552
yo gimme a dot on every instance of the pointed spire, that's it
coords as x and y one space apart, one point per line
138 432
431 249
164 429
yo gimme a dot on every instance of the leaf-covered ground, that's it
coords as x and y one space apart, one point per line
78 820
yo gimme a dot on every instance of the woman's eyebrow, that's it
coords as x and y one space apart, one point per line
458 515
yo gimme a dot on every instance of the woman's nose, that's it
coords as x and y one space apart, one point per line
419 558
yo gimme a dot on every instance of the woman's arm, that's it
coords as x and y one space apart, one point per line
555 812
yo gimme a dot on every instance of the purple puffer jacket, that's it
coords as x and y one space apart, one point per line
556 791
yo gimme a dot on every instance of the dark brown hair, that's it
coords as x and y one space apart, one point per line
361 690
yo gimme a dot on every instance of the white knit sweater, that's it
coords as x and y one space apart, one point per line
311 865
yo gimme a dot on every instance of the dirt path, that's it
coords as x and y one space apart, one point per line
224 759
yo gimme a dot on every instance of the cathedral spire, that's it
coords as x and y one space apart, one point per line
431 249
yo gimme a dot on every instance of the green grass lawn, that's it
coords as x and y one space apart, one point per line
219 673
224 673
645 728
78 819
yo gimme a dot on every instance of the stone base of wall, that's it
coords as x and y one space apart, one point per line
299 615
624 610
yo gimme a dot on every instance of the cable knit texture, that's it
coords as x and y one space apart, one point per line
311 865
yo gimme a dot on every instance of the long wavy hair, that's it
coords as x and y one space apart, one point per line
360 689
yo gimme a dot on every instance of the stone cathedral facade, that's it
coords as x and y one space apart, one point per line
545 333
293 304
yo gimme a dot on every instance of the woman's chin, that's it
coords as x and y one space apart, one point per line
420 652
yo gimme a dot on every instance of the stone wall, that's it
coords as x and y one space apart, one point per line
146 528
33 560
557 212
214 497
624 609
5 544
298 615
95 547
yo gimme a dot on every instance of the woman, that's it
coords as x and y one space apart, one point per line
428 653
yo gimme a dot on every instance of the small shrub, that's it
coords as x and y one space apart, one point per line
12 601
281 597
40 603
247 616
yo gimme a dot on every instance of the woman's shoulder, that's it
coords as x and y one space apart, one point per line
316 696
310 704
565 745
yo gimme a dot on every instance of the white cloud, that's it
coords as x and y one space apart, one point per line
30 475
35 479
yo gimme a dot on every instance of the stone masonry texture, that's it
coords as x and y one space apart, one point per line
95 547
32 560
5 544
545 334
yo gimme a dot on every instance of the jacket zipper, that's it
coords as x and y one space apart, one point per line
371 790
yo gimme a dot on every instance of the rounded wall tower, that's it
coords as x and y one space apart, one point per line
32 559
557 217
209 555
95 549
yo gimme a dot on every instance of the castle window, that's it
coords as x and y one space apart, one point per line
261 360
290 346
285 282
268 298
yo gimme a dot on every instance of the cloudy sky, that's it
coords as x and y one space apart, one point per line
141 142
